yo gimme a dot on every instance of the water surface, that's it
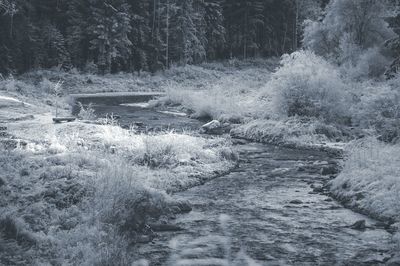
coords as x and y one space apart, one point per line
277 211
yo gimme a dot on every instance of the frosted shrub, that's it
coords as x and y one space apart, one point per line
352 34
123 201
317 38
370 178
307 85
47 86
370 63
375 62
387 121
11 84
377 107
86 113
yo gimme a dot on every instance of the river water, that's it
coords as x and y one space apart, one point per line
271 207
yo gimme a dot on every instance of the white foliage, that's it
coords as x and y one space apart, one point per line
370 179
348 30
307 85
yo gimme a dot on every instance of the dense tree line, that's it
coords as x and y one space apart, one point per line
133 35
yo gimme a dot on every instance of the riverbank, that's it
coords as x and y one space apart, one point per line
82 193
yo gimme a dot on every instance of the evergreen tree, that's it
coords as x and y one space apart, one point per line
215 30
187 39
140 35
109 26
78 37
243 21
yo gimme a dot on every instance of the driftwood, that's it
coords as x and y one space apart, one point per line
63 119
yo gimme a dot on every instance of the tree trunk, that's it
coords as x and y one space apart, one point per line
296 26
11 25
245 34
167 41
154 19
284 40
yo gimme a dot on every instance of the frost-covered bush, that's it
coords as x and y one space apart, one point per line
348 30
307 85
377 107
86 113
361 23
367 63
123 201
11 84
47 86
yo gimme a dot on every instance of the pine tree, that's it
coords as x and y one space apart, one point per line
6 60
54 46
215 30
78 36
109 26
243 22
187 40
140 35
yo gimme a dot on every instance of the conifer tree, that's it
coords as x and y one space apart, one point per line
215 30
140 35
187 40
78 36
109 26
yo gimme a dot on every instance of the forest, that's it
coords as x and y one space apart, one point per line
108 36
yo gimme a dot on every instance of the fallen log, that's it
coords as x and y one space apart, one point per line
63 119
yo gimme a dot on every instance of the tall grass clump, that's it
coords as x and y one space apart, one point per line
231 96
307 85
113 215
370 178
86 113
123 201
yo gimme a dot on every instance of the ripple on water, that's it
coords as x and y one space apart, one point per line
273 215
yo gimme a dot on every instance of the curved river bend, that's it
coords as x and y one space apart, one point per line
273 207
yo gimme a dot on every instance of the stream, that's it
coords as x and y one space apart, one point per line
272 207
